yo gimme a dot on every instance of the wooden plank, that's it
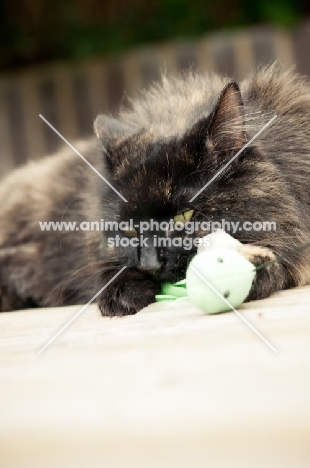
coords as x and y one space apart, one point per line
29 84
7 162
168 387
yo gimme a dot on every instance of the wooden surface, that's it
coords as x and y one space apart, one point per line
165 388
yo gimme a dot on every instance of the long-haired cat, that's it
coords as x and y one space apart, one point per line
158 153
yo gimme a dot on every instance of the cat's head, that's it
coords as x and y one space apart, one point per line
161 178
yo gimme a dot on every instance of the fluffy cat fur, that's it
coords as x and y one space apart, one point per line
158 153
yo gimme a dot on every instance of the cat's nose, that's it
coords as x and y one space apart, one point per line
149 262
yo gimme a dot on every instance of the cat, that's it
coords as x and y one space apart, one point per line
158 153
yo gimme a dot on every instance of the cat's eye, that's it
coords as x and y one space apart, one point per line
130 232
183 217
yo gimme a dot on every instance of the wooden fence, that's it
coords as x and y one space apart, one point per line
70 95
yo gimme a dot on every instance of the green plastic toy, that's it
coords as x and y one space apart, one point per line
217 278
170 292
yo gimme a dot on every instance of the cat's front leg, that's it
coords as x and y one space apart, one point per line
128 293
271 277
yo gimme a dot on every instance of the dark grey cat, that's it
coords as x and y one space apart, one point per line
158 154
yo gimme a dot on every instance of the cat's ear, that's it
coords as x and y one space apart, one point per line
109 129
226 130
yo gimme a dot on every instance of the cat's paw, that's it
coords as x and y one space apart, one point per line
128 294
256 254
270 277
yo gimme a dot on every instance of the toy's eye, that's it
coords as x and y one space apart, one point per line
183 217
130 232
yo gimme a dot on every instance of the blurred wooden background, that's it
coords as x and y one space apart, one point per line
71 94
